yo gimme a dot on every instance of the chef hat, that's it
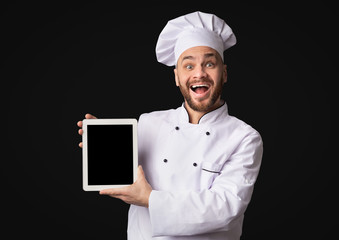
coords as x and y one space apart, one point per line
192 30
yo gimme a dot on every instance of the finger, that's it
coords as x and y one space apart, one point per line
89 116
79 124
108 192
80 131
113 191
80 144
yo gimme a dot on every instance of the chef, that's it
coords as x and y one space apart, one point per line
198 164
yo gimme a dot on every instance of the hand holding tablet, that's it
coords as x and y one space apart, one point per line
80 131
137 193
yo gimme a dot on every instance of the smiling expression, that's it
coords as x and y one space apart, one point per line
200 75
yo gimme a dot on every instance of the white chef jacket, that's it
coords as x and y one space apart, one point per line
202 175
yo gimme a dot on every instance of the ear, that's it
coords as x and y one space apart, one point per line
176 77
224 72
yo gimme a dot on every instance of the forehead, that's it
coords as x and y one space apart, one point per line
200 52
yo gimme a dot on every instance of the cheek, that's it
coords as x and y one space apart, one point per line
217 78
221 76
182 80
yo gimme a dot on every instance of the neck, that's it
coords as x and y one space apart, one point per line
195 116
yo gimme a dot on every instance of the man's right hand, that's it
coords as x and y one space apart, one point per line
87 116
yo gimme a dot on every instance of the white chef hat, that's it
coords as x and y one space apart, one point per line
192 30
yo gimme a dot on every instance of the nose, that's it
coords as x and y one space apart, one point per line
199 72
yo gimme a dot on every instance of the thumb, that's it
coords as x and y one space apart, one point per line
140 173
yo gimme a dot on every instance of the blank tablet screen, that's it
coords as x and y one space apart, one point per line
110 154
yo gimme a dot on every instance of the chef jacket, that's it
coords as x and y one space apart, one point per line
202 175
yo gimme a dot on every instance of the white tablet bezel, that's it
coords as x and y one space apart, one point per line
125 121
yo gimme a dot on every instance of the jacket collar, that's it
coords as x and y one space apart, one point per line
211 117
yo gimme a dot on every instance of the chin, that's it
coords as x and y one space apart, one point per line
201 106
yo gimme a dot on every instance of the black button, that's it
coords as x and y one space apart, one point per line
176 128
207 133
195 164
165 160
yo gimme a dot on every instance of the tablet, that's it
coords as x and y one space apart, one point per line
110 153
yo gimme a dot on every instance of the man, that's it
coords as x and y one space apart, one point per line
198 165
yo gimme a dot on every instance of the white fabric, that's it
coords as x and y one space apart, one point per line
203 188
197 37
192 30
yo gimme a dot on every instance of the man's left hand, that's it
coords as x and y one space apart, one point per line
137 194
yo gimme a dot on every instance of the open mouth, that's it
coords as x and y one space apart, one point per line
200 88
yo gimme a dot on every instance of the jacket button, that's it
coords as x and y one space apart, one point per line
207 133
176 128
165 160
195 164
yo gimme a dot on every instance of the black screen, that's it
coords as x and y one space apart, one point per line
110 154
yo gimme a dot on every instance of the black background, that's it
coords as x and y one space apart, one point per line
60 61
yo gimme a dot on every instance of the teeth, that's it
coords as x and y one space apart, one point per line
196 86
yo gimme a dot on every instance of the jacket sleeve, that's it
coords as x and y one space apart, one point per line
215 209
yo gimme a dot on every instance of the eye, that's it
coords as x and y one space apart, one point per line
209 65
189 67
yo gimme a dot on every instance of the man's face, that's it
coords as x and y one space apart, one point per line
200 75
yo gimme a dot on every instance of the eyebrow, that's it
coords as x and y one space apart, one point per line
206 55
187 57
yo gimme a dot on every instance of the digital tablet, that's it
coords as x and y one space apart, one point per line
110 154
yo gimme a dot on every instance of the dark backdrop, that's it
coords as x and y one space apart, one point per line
60 61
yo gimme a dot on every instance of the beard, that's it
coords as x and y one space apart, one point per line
203 106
